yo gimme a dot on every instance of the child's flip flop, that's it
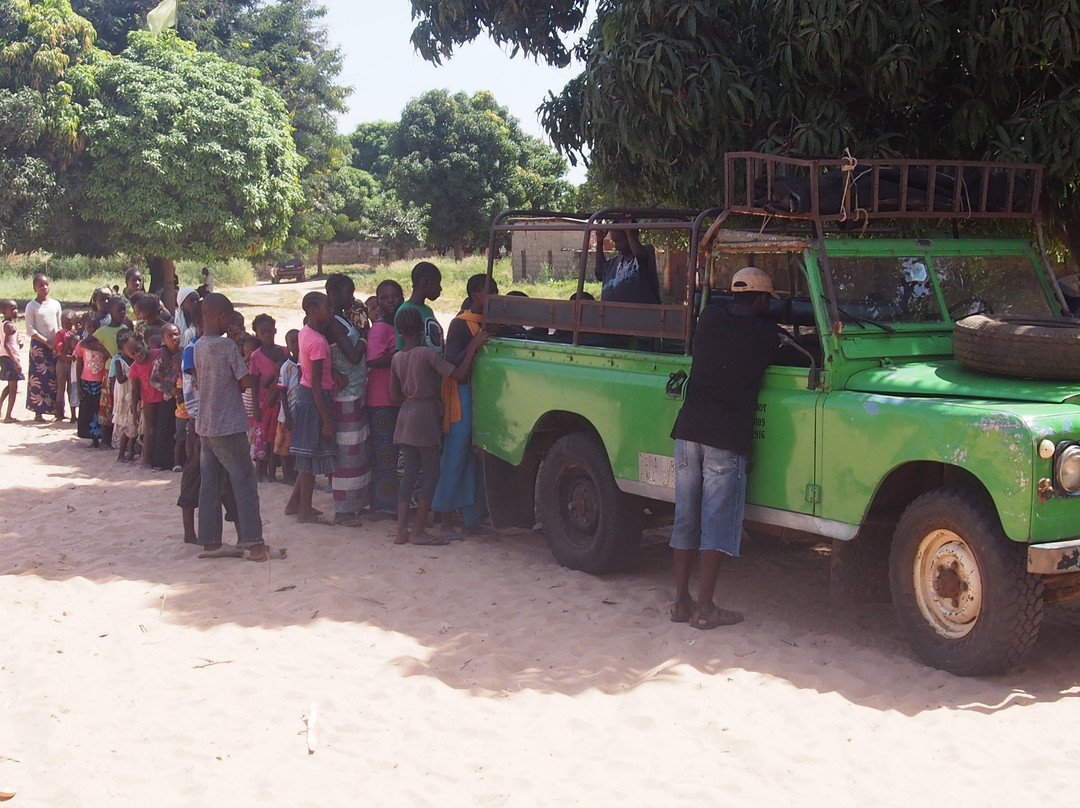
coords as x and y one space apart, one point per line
429 541
232 551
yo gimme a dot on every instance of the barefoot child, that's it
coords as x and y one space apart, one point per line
145 400
264 363
10 356
312 443
42 319
460 479
414 386
383 414
67 391
284 394
91 364
348 359
222 429
168 449
125 425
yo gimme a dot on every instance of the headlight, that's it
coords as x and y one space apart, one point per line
1068 469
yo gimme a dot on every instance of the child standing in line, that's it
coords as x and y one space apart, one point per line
382 413
11 345
348 359
191 478
153 316
91 361
374 311
264 364
66 383
460 475
415 373
168 449
312 443
221 374
427 285
118 313
42 319
125 426
145 400
284 395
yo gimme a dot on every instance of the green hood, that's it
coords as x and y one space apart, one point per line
950 379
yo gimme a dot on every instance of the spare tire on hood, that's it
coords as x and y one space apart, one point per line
1022 347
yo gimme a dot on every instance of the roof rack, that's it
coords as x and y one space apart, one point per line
850 189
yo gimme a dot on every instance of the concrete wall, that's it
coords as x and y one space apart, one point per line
534 251
371 253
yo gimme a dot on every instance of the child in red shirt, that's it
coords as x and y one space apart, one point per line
143 394
66 387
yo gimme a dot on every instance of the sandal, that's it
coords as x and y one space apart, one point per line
429 541
715 617
315 519
681 613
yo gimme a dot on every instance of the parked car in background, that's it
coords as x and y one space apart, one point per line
293 269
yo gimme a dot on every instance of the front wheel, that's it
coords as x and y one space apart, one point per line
590 524
960 587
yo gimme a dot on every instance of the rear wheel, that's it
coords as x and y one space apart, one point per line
590 524
960 587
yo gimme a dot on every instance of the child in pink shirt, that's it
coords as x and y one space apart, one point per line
312 443
91 363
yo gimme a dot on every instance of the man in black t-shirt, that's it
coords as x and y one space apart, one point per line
629 276
713 435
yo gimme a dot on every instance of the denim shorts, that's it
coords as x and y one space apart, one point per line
710 493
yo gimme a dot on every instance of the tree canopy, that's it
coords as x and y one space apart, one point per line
668 87
191 155
285 42
43 47
469 159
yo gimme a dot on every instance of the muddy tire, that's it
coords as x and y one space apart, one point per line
1021 347
960 588
590 524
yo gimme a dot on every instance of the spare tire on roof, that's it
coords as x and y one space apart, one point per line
1022 347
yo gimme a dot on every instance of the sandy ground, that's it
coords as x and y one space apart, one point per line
133 673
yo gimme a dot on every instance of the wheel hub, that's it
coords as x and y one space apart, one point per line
581 505
948 584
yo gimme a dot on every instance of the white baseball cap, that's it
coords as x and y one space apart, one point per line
752 279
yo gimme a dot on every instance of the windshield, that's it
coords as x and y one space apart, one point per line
994 284
885 290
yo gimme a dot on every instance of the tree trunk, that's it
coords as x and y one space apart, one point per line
459 249
318 261
163 280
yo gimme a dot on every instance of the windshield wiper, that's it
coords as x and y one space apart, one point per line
858 318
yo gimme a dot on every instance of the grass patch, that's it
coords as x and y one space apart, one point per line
74 278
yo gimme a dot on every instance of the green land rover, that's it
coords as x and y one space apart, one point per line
925 418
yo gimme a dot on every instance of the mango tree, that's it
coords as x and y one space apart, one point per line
191 156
